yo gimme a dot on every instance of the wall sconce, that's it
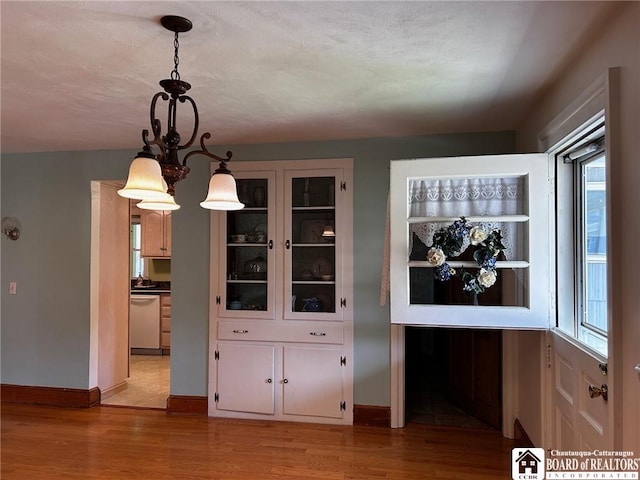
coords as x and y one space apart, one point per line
11 228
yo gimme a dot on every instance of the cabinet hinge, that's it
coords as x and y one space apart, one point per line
343 186
216 397
343 405
548 355
343 302
343 360
218 300
216 355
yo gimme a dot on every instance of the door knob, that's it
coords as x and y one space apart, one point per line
601 391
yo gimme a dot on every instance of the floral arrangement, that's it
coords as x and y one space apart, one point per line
448 243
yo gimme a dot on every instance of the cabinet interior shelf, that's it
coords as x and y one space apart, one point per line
314 282
247 244
313 244
247 281
310 209
251 209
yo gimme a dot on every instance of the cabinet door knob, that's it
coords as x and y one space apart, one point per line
241 331
269 380
270 244
285 381
318 334
287 244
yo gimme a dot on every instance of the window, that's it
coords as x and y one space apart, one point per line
506 193
137 262
582 280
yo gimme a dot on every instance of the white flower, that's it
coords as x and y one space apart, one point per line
487 278
435 256
477 235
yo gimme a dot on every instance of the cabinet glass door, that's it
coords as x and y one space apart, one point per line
313 233
248 237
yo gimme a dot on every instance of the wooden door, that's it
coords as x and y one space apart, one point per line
580 422
312 382
475 373
245 378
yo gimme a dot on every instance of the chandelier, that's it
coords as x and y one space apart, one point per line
152 177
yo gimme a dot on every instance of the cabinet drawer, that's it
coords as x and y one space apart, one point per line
165 324
165 300
165 340
300 332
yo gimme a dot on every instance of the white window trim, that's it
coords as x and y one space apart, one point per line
582 115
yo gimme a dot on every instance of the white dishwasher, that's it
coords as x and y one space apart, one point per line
144 322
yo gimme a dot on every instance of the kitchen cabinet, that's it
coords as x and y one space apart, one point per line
281 280
243 368
165 322
290 382
155 233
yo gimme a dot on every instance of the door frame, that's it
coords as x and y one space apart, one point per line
509 376
600 99
97 276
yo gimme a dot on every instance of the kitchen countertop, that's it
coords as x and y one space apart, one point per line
150 287
149 291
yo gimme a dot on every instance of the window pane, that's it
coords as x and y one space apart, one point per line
137 262
593 265
511 282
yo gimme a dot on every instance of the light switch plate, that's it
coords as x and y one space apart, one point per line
13 287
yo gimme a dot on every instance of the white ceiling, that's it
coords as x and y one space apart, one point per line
81 75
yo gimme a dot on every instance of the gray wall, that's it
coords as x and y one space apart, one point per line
45 327
617 45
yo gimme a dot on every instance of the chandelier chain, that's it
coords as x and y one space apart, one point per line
175 75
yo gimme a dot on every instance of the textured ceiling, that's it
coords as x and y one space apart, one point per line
81 75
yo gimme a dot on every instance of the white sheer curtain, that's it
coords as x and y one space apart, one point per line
469 197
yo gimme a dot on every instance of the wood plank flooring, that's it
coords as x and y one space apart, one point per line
122 443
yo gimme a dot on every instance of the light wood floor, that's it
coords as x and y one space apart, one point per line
120 443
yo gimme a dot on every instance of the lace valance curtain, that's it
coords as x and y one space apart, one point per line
469 197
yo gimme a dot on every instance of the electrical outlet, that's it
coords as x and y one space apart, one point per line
13 287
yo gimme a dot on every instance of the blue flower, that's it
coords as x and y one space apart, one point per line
485 258
444 272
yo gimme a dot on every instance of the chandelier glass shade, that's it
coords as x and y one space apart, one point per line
165 203
152 177
223 194
144 180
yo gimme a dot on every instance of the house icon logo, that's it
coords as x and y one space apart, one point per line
527 464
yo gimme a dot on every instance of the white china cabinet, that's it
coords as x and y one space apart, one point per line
281 299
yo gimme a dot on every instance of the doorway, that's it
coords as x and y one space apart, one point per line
124 379
453 377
